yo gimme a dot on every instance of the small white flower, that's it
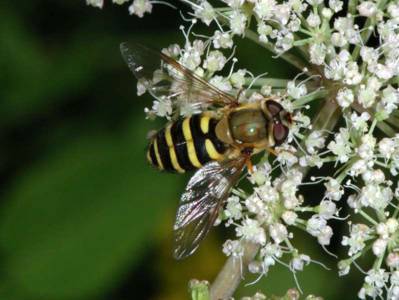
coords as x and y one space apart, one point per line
205 12
278 232
233 248
359 234
313 20
221 83
366 149
367 8
267 193
288 157
238 22
359 167
298 262
296 91
95 3
282 13
334 190
327 209
344 267
393 10
191 58
161 108
327 13
360 122
233 208
343 24
338 39
264 31
392 225
215 61
386 147
336 5
264 8
314 141
379 246
256 267
141 88
377 279
237 79
352 75
289 217
318 53
370 56
395 277
384 71
345 97
389 100
284 42
260 174
255 204
140 7
325 235
368 93
375 196
341 145
222 40
353 202
315 225
250 230
392 261
373 176
382 230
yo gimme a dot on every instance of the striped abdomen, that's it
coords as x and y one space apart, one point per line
186 144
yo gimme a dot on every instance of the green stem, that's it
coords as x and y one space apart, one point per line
385 128
273 82
291 59
367 217
310 97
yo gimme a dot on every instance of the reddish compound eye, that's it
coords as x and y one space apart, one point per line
273 107
280 133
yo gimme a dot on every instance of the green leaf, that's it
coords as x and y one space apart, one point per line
75 222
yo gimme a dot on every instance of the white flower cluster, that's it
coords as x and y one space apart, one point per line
266 216
136 7
348 58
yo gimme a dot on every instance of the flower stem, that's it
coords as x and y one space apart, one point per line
293 60
273 82
232 273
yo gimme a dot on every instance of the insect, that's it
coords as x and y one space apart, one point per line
218 142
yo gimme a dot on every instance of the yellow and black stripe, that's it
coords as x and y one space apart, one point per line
186 144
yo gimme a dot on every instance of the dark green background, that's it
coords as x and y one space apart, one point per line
82 215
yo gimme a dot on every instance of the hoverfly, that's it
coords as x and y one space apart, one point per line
217 142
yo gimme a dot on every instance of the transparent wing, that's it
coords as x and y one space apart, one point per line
165 77
199 205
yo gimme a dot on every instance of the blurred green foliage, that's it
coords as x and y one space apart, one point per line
82 215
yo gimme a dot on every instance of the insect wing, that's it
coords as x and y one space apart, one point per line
199 205
164 77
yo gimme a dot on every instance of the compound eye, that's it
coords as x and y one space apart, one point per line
280 133
273 107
